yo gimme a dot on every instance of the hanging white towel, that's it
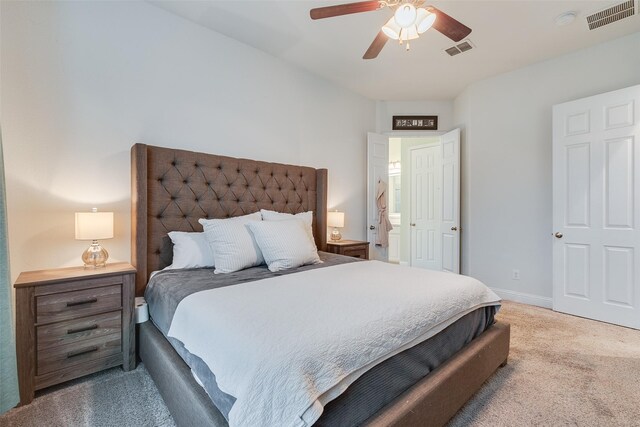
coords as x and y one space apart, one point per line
384 225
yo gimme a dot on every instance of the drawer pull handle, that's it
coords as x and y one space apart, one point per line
86 328
86 301
81 352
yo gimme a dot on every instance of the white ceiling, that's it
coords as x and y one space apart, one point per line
507 35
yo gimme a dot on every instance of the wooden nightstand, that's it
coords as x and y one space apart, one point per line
71 322
354 248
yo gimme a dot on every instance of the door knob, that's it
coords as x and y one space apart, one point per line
454 228
372 227
558 235
413 224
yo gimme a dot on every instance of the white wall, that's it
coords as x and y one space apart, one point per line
506 183
82 81
385 110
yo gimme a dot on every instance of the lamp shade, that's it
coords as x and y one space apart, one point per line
406 15
424 20
335 219
94 225
392 29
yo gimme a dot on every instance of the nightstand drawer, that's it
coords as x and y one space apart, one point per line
352 248
61 357
72 305
357 252
72 331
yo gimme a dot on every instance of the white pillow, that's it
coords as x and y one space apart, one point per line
284 244
190 250
232 243
306 217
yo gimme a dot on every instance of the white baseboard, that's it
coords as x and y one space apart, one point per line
524 298
404 263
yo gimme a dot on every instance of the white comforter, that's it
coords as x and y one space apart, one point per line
285 346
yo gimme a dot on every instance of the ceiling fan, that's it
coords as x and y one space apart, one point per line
410 19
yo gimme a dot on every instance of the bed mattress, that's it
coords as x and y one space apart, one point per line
368 394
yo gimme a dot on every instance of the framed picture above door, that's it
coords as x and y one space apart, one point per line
415 123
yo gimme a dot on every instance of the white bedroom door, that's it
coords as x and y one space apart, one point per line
425 208
450 227
434 226
377 168
596 215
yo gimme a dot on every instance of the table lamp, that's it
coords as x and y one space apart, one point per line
335 219
94 225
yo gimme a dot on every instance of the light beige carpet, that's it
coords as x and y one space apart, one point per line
108 398
562 371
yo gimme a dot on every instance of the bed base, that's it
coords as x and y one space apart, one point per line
187 401
431 402
441 394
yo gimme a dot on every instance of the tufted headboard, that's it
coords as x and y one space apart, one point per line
171 189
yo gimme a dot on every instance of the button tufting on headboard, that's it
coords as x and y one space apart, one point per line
172 189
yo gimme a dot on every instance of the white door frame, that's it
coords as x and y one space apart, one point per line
374 251
403 135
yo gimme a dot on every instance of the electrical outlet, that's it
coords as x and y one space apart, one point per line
515 275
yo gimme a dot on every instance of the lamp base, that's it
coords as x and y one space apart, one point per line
335 235
95 256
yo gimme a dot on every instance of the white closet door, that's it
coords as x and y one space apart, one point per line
596 191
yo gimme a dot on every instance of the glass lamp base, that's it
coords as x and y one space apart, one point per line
95 256
335 234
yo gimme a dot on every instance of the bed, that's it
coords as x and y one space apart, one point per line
172 189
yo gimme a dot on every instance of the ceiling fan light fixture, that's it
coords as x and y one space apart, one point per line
424 20
410 33
410 19
405 15
391 29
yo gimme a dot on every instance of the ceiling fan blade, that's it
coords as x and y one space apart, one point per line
344 9
376 46
448 26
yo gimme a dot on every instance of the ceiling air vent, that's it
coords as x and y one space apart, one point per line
462 47
611 14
